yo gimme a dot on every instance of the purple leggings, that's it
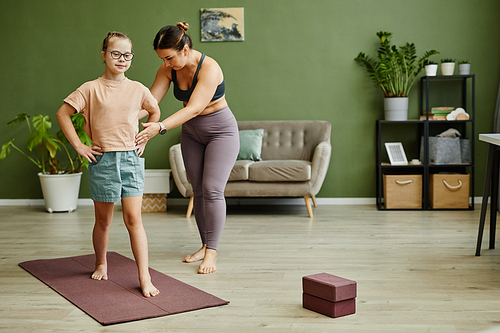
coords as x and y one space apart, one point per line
210 144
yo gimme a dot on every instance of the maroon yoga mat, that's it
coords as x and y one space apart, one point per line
119 299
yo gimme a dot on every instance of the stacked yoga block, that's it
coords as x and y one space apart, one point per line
328 294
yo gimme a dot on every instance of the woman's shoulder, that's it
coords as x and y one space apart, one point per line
209 62
164 71
210 66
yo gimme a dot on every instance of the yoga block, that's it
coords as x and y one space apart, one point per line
329 287
330 309
156 202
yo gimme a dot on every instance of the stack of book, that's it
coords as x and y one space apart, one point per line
438 113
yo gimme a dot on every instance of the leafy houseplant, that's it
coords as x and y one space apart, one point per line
464 67
44 146
60 184
395 72
430 67
447 66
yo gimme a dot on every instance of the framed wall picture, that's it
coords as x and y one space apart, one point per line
396 153
222 24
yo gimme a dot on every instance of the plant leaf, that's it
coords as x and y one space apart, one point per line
6 149
52 146
18 120
42 123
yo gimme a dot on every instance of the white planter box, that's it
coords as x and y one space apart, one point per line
157 185
157 181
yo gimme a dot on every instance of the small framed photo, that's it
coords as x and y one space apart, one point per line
396 153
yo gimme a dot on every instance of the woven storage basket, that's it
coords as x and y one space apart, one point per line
449 191
403 191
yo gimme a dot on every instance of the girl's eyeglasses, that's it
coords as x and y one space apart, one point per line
118 55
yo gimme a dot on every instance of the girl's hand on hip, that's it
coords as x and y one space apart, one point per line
140 148
149 131
89 152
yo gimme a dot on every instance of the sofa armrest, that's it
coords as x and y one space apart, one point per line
179 171
319 166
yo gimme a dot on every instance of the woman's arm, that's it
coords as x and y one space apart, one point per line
64 119
159 88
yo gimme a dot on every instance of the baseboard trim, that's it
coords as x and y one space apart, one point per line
230 201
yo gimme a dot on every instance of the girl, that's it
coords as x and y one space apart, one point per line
209 139
110 106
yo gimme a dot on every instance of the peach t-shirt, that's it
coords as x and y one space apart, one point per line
111 111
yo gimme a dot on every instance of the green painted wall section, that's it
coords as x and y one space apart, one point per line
296 63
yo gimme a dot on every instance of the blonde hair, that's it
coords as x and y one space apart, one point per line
113 34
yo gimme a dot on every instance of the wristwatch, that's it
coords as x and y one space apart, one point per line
163 130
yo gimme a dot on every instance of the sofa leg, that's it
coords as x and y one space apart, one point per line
190 207
308 205
314 201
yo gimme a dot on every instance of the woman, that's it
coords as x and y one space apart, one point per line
209 139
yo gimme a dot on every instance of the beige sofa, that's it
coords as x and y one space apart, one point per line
295 159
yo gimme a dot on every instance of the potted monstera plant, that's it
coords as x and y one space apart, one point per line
395 70
60 180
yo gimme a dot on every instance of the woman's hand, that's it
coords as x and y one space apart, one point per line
88 152
149 131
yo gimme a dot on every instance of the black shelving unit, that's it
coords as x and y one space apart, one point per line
423 128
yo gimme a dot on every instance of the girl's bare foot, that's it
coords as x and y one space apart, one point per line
148 290
208 264
197 256
101 272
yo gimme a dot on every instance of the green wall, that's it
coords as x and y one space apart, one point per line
296 63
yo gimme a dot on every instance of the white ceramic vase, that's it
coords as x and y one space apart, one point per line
60 192
431 70
447 68
464 69
396 108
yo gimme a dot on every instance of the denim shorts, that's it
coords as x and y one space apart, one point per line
116 174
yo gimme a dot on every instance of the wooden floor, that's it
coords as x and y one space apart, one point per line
416 270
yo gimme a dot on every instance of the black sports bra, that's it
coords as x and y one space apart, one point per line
185 95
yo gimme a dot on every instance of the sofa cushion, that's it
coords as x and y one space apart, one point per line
279 171
240 170
250 144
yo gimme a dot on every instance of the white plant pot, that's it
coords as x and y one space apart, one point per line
448 68
431 70
396 108
464 69
60 192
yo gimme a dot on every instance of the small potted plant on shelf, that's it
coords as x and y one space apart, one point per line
60 181
394 72
464 67
447 66
431 68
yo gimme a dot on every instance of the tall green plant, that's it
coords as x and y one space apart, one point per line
43 146
396 70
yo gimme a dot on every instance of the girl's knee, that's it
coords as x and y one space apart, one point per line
132 220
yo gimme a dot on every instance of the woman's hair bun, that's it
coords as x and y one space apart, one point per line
184 26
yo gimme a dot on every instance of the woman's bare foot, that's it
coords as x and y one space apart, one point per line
148 290
101 272
208 264
197 256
